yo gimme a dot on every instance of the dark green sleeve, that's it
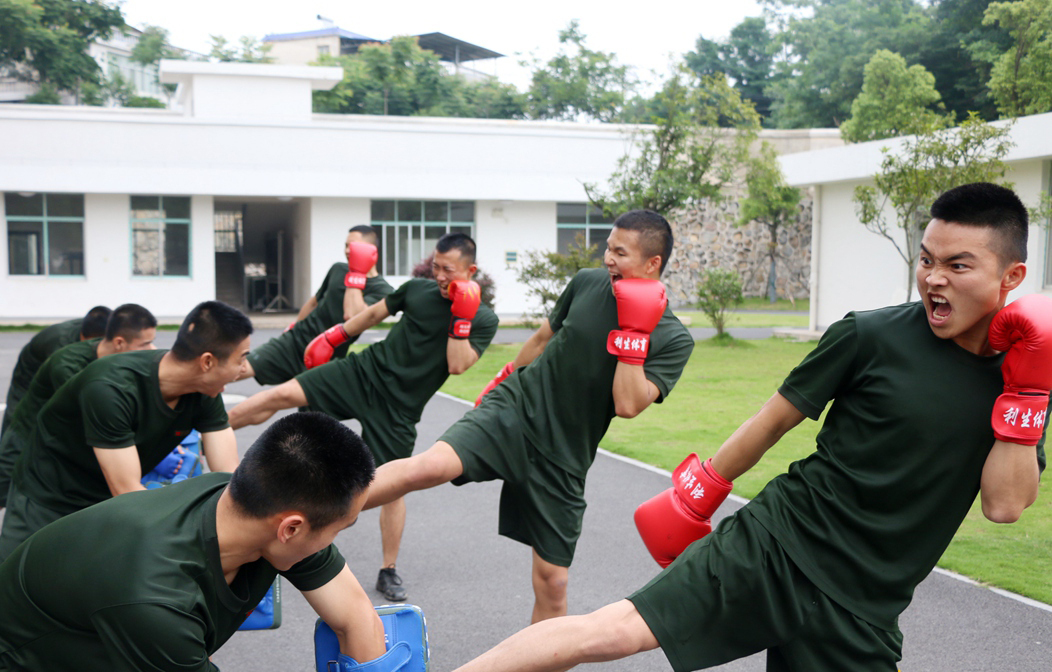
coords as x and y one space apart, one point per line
483 329
212 416
152 637
325 283
396 299
108 416
375 289
562 305
665 366
316 570
826 370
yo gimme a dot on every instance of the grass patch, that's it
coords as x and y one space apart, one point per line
739 319
760 303
723 385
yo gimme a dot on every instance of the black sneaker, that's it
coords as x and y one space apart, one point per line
390 585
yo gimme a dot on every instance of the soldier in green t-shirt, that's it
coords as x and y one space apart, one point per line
818 567
119 417
159 580
130 327
344 293
386 386
538 426
40 347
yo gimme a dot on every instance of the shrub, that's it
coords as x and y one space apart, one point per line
719 291
546 274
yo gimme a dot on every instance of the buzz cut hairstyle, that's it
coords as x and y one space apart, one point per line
129 321
459 241
368 233
992 206
655 234
212 326
310 463
94 323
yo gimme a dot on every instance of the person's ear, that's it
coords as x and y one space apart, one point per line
291 525
207 362
1013 276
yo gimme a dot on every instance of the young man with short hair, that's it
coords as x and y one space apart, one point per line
46 341
443 331
539 423
120 416
348 289
130 327
818 567
159 580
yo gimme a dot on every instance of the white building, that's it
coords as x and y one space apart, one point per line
854 269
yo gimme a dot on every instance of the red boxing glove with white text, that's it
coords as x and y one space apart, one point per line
640 304
681 515
320 350
466 297
508 369
361 257
1023 330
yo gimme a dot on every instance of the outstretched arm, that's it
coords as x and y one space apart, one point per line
534 345
755 436
345 607
307 308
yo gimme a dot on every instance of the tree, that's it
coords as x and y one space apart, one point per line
46 41
770 202
701 136
579 83
251 51
546 274
747 58
895 100
1021 79
719 290
151 47
927 165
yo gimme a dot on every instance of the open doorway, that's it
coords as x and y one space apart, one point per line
254 258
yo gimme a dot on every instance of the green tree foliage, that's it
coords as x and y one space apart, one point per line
546 274
248 50
927 165
400 78
1021 79
747 58
720 290
46 41
579 83
771 202
895 100
701 136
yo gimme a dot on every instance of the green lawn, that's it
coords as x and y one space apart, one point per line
737 319
722 386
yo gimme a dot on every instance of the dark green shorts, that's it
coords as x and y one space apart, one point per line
541 504
277 360
22 518
339 389
736 592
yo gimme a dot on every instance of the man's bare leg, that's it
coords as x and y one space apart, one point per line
260 406
549 589
616 631
437 465
392 523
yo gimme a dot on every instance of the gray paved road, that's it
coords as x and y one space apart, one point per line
474 585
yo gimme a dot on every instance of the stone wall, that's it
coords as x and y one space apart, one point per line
708 237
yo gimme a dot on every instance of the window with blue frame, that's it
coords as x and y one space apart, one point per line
45 233
160 230
408 230
581 219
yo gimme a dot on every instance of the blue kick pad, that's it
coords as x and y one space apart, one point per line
170 470
405 634
267 614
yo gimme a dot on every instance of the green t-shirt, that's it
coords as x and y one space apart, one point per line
115 402
134 583
56 370
33 355
409 365
564 398
898 461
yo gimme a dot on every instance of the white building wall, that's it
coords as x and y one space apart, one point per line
512 226
330 218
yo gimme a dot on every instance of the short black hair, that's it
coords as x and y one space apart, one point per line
305 462
459 241
368 233
128 321
991 206
655 234
94 323
212 326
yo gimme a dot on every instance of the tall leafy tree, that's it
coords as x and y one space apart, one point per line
1021 79
747 57
47 41
247 50
579 83
895 100
700 139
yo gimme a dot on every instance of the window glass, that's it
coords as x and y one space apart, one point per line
177 207
462 211
160 235
409 211
571 213
17 205
145 202
383 211
25 248
176 249
410 229
566 235
146 250
436 211
65 243
45 234
596 216
65 205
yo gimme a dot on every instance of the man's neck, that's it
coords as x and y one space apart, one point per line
239 542
176 378
104 349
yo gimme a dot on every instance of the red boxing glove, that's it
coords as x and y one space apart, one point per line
681 515
508 369
291 325
361 257
466 297
319 351
1023 330
640 304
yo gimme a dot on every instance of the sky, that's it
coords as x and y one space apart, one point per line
648 36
